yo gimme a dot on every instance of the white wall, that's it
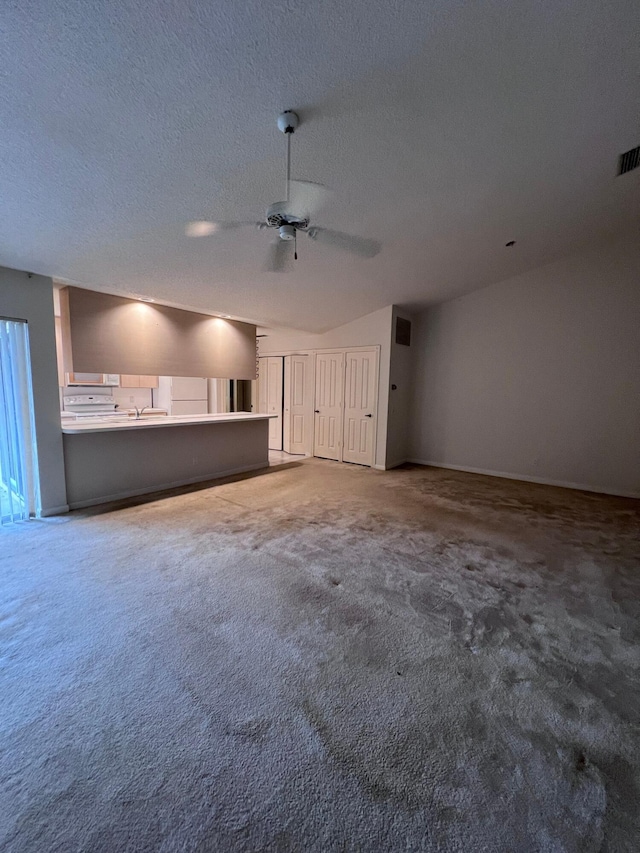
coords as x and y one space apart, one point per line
31 299
539 376
371 330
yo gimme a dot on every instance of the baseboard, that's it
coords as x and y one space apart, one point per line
54 510
395 464
543 481
149 490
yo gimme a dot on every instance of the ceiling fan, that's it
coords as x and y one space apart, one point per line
303 200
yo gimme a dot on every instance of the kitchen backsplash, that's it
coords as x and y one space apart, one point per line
126 398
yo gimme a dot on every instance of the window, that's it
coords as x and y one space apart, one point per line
19 486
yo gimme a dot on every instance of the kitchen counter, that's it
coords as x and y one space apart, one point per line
127 422
116 458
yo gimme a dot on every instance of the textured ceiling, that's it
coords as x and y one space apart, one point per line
444 128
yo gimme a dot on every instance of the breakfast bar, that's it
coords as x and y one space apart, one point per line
111 459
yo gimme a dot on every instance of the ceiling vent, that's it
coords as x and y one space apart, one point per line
629 160
403 331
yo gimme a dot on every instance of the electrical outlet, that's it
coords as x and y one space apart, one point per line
132 399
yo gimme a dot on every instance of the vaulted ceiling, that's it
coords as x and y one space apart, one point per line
444 128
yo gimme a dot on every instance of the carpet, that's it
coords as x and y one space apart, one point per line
324 658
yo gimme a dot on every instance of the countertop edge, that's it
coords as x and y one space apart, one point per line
162 423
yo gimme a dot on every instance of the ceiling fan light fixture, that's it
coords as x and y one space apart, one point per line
287 232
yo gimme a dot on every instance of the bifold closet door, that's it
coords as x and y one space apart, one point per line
298 404
329 398
360 406
270 396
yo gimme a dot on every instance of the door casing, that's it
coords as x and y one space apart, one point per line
270 396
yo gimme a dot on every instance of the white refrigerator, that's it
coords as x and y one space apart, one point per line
182 395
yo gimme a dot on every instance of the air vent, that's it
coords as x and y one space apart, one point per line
403 331
629 160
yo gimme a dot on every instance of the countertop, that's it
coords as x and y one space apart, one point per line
162 421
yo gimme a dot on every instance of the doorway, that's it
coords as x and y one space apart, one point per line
19 485
270 400
285 389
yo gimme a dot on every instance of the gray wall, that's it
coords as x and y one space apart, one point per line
539 376
110 334
111 464
31 299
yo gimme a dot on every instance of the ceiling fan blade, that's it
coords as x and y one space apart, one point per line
205 228
280 256
362 246
307 198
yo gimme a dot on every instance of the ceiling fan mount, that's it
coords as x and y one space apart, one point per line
281 213
288 121
303 200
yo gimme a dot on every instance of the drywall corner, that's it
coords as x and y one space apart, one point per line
28 297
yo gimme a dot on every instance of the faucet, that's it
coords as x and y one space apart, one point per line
139 411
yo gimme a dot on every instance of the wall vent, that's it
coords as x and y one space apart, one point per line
629 160
403 331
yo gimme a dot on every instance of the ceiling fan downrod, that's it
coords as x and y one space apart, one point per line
288 121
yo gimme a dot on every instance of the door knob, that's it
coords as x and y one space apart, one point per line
368 416
317 411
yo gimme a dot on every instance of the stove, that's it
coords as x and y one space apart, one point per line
91 406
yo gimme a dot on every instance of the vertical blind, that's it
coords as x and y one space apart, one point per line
19 488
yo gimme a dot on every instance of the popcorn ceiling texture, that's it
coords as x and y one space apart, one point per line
324 658
444 128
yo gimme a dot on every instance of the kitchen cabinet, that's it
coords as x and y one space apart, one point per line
128 380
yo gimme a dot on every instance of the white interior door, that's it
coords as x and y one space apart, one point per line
329 396
298 404
261 400
360 406
270 396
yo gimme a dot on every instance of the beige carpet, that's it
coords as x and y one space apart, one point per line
324 658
